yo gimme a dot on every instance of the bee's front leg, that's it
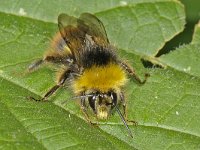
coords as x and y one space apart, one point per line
83 108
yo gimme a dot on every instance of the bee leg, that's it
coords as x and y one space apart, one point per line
35 65
58 59
132 73
65 75
52 59
39 62
125 109
83 108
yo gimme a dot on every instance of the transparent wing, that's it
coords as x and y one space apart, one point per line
72 34
81 32
95 28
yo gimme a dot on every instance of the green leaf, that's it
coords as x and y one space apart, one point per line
48 11
186 57
144 28
196 36
167 107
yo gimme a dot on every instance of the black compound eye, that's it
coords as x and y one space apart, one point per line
114 98
92 102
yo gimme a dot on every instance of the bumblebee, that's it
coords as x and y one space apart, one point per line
90 66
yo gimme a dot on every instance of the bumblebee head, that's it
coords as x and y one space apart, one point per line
102 103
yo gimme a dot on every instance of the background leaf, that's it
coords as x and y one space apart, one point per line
196 36
167 107
191 53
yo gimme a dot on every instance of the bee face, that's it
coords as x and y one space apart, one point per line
102 103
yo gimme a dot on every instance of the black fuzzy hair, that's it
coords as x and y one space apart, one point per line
99 56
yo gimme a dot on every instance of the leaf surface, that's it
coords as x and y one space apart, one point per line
167 107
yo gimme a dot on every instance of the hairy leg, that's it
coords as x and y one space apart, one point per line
131 72
61 80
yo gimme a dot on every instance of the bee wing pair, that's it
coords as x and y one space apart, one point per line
81 32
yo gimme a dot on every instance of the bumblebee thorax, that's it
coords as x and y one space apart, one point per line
101 78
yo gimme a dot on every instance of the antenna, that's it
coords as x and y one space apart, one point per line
82 96
122 118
